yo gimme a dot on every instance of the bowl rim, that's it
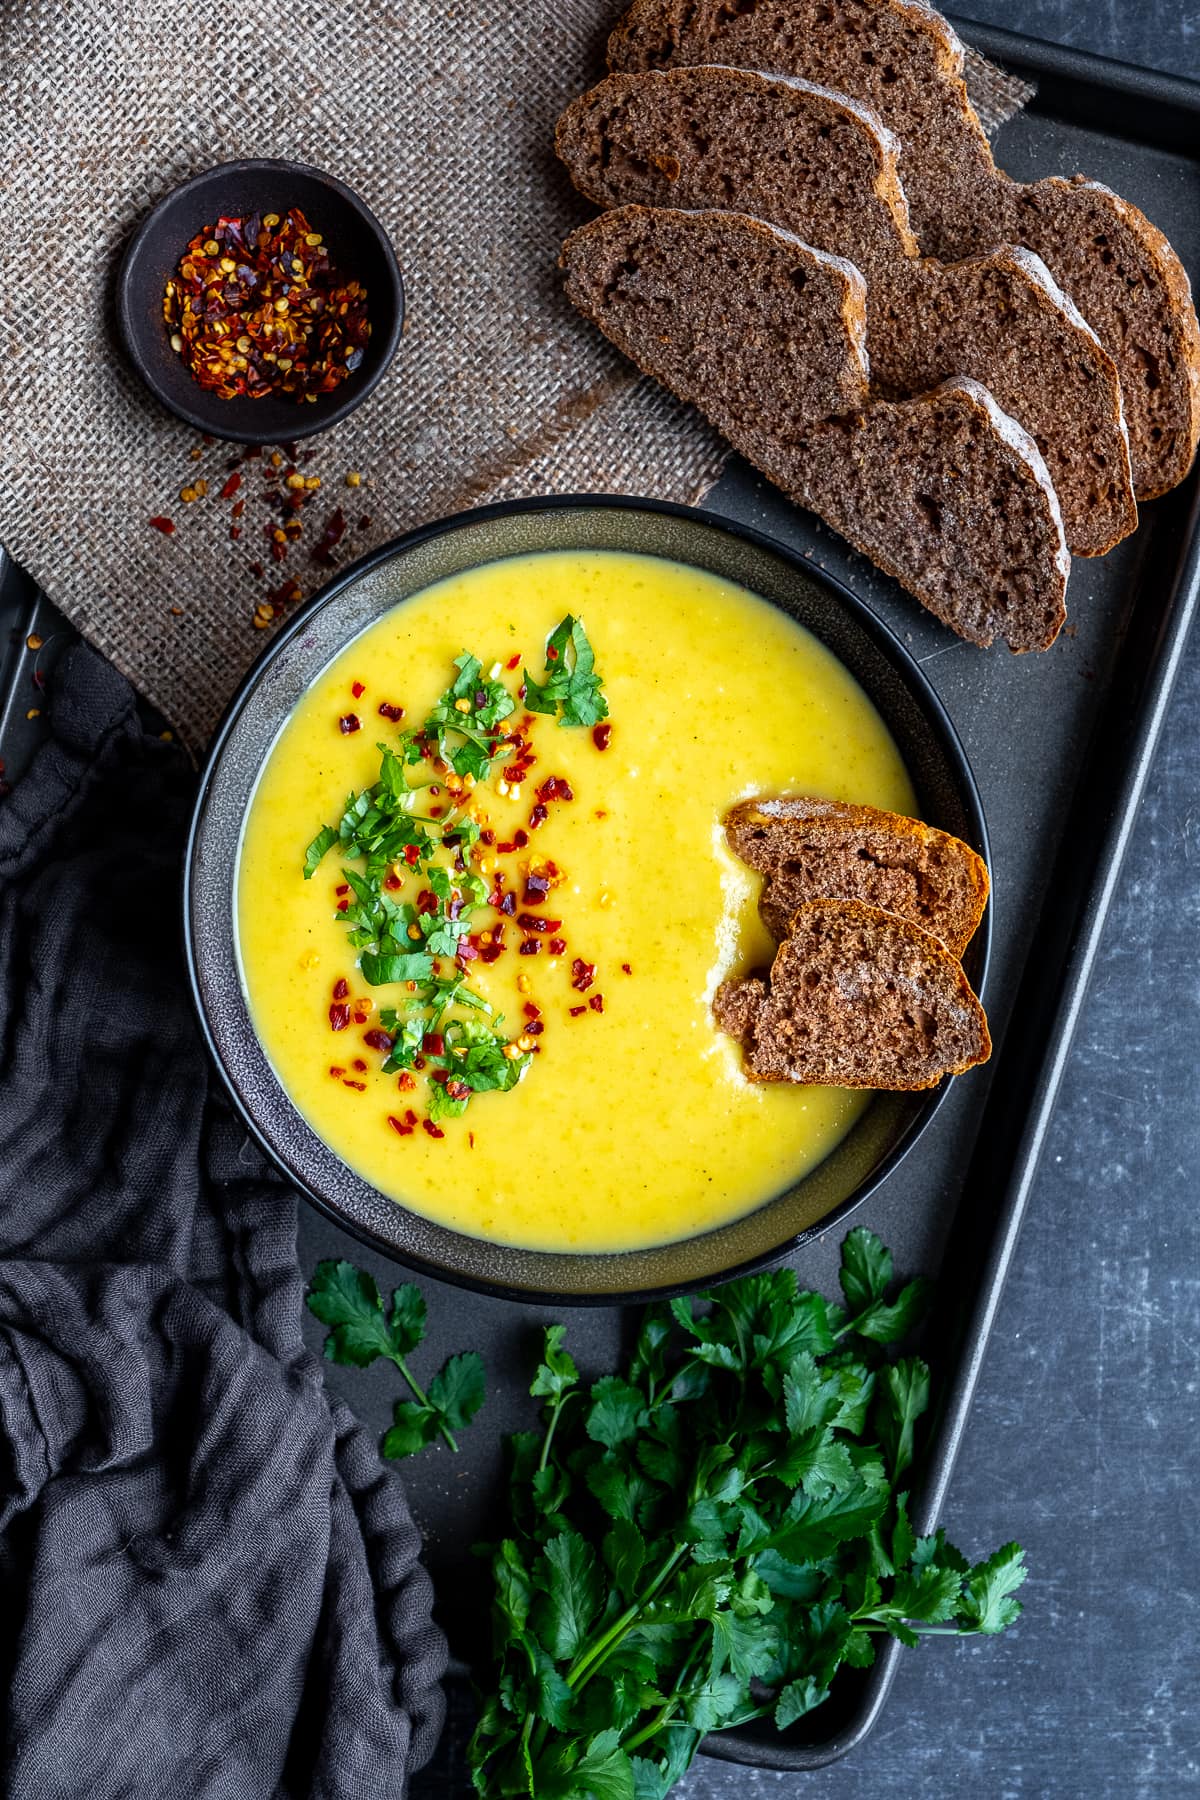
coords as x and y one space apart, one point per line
124 291
884 638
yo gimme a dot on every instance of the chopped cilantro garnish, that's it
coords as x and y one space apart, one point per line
397 847
572 688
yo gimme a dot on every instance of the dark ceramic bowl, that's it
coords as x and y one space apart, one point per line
946 792
358 246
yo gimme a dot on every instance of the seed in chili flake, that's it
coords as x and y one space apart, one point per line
256 309
377 1039
396 1125
339 1016
435 1131
231 486
341 990
161 523
597 1002
601 734
357 689
349 722
582 975
387 711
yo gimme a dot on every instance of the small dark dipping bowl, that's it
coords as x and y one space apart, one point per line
358 246
947 796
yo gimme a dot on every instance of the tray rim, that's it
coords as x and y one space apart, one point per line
1170 103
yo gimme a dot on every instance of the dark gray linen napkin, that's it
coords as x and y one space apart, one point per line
209 1586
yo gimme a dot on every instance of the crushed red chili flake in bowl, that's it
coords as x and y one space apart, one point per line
257 307
261 301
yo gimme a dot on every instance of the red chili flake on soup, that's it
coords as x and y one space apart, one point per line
627 968
341 987
349 722
582 975
597 1002
435 1131
377 1039
601 736
357 689
339 1016
360 1087
388 711
514 662
537 817
556 946
405 1082
396 1125
577 1010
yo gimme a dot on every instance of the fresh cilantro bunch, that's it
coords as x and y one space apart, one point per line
709 1537
363 1328
572 688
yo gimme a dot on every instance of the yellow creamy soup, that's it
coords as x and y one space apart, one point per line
632 1123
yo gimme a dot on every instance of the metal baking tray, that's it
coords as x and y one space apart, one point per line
1061 745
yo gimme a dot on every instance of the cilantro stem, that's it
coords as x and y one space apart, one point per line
421 1397
560 1400
670 1704
585 1666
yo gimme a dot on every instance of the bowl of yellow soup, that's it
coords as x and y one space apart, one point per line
457 895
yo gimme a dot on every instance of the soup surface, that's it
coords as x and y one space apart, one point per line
632 1124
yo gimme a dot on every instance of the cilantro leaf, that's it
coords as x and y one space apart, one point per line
572 688
347 1300
405 966
796 1699
324 841
457 1390
572 1597
988 1606
556 1373
363 1328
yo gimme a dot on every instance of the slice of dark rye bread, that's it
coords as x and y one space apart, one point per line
856 997
813 849
945 492
904 61
825 168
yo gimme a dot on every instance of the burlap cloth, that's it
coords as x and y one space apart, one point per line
442 116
